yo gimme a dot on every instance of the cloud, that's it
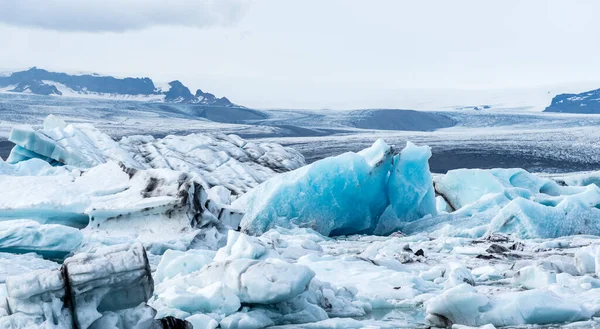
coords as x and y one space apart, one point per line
119 15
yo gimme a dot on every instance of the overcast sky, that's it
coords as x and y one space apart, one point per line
310 53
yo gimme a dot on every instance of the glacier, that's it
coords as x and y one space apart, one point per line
212 231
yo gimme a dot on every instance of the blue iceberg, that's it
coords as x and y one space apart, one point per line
346 194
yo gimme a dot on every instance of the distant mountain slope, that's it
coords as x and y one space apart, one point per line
587 102
42 82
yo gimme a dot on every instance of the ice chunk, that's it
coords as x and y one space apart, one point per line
486 273
411 186
50 241
31 167
140 317
410 190
219 194
292 244
464 186
214 298
574 214
532 277
433 273
81 146
587 259
337 302
458 274
201 321
278 293
112 282
464 305
338 195
255 319
582 179
54 122
175 262
215 160
111 197
242 246
220 287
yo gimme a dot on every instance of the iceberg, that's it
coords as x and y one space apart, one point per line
90 290
465 186
346 194
252 281
61 144
214 160
334 196
561 216
74 175
112 198
247 284
219 289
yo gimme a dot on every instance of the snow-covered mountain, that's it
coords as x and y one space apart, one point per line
42 82
586 102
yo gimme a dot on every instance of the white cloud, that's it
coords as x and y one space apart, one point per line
119 15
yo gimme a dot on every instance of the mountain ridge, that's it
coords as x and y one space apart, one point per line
42 82
587 102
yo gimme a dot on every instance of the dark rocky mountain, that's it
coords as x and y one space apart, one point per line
587 102
41 82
